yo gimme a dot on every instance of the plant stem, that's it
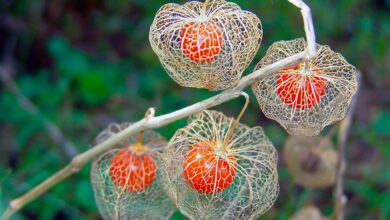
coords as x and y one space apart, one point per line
235 122
309 27
138 145
340 200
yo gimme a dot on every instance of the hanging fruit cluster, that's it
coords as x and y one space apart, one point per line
125 179
205 45
215 167
305 97
210 174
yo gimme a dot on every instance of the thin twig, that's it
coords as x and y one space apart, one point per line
309 27
138 146
340 200
230 132
54 132
156 122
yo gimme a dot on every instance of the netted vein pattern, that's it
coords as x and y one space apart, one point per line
306 97
312 161
205 45
207 181
130 192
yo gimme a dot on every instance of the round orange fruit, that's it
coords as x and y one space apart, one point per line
132 171
201 41
301 91
206 172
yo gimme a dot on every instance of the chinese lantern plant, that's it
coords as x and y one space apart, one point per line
125 179
217 168
205 44
305 97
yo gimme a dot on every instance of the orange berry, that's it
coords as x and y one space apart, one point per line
206 172
132 171
201 41
298 90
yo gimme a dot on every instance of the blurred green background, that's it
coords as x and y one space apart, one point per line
81 64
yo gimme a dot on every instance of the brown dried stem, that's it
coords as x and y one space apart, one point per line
340 200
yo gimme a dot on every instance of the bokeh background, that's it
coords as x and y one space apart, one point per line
70 67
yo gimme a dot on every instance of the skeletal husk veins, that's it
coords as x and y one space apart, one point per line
205 45
305 97
311 161
125 179
245 183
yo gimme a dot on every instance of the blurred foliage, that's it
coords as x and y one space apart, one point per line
87 63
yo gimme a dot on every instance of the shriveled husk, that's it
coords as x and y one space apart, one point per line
309 213
311 161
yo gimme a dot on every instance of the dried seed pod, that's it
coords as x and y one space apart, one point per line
125 180
306 97
205 45
210 176
312 161
308 213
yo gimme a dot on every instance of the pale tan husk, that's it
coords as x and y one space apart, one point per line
341 85
309 213
242 34
115 202
255 186
311 161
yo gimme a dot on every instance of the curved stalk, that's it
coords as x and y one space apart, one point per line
235 122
